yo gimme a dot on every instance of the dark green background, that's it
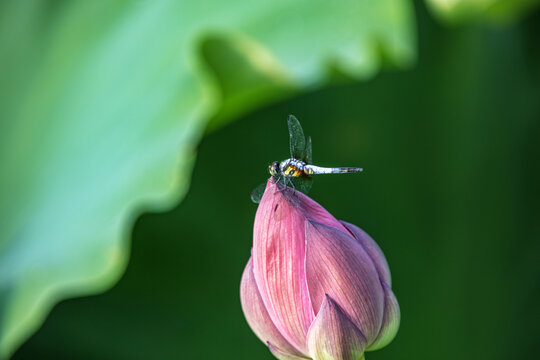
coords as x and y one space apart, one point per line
450 191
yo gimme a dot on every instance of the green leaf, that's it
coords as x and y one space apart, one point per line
103 104
499 11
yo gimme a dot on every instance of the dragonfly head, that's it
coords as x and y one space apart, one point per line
273 169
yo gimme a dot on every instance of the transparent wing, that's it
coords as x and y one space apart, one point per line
302 184
296 138
309 157
257 193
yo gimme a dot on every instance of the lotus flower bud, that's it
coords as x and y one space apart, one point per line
315 287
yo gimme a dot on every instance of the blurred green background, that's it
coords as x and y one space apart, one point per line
450 190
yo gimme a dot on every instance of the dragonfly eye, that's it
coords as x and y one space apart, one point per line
273 168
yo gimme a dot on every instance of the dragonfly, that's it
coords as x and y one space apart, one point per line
297 170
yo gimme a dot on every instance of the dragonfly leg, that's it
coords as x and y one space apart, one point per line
278 181
289 180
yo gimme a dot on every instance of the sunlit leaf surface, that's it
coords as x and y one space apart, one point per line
458 11
102 104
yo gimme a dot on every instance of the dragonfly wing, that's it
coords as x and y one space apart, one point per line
297 139
302 183
309 157
257 193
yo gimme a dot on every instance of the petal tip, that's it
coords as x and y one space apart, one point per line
333 335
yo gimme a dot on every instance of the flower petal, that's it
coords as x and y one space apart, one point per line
333 336
391 319
373 250
256 314
282 355
337 265
278 265
312 210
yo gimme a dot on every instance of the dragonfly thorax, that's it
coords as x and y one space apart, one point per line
289 168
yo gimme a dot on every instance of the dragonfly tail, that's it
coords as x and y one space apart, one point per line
348 170
315 170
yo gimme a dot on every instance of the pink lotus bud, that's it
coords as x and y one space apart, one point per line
315 287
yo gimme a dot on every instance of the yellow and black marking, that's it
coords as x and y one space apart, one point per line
309 171
292 171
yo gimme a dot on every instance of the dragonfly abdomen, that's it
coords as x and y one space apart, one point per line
316 170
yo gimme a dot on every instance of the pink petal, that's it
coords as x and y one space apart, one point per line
391 319
278 265
334 336
256 314
373 250
281 355
337 265
312 210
